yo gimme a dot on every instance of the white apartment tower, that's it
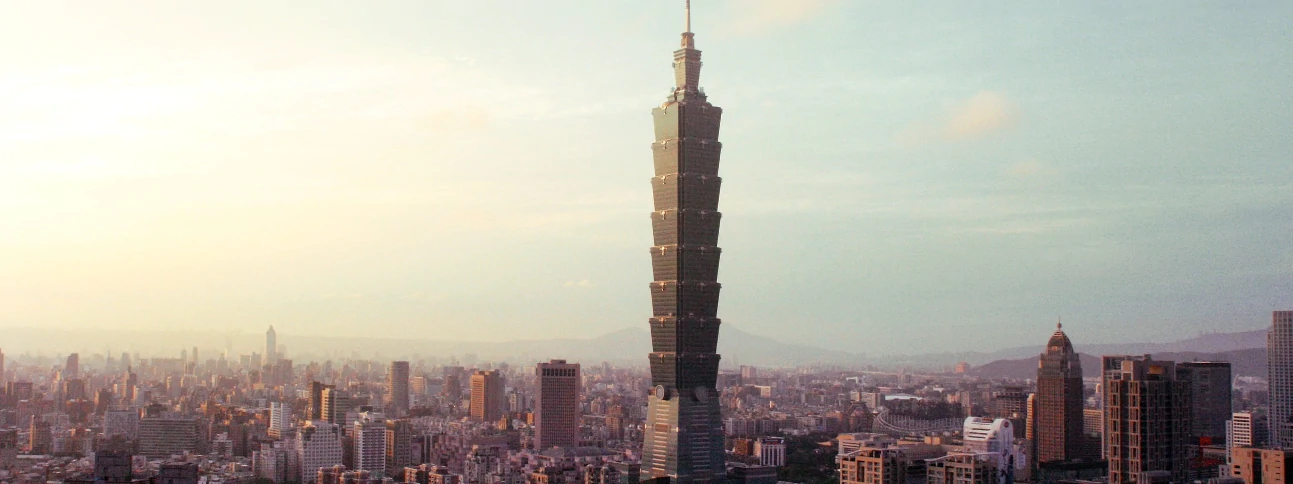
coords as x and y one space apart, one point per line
280 420
318 445
370 443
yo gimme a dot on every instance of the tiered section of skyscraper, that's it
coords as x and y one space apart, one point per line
684 435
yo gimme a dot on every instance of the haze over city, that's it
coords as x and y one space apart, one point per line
480 242
896 180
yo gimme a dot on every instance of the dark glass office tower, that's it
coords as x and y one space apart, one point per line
684 437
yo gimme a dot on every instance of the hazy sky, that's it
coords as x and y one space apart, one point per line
898 177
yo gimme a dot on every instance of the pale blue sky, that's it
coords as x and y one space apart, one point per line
898 176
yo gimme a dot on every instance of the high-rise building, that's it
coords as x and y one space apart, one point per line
1147 419
1030 426
167 434
121 422
2 376
1246 429
556 407
452 390
19 390
1279 368
280 420
316 400
74 389
1093 430
280 371
1210 394
370 443
454 377
39 436
271 346
397 388
684 432
486 395
1059 401
335 405
1011 402
615 421
399 444
73 367
272 461
318 445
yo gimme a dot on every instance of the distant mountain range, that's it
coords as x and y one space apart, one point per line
1249 362
626 346
1204 343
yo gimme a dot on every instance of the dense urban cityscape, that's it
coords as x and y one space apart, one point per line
219 415
207 415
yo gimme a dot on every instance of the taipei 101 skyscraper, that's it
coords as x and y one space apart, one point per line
684 432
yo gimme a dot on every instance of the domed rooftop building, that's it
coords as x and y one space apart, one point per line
1059 401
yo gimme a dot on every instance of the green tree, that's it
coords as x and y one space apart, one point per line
808 461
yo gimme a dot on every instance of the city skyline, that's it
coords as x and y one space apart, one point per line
188 174
437 203
245 417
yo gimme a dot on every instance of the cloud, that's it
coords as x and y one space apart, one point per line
755 17
981 115
583 283
985 113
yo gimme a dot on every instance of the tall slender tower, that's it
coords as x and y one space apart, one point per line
684 437
271 346
1059 401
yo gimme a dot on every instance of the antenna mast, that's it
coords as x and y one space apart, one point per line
688 15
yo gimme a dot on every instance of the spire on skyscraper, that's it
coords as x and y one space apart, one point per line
683 438
688 7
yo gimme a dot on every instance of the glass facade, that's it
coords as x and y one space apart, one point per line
684 433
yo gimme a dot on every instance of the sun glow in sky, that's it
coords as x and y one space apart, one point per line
942 178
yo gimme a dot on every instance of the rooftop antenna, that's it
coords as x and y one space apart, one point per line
688 15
